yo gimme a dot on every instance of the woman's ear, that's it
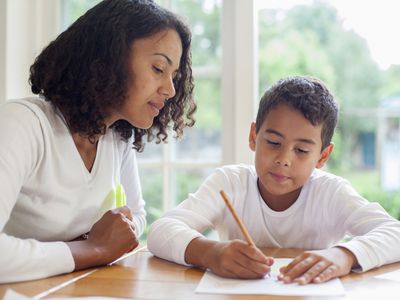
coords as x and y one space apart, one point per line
252 137
324 156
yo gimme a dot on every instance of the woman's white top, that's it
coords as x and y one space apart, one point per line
47 195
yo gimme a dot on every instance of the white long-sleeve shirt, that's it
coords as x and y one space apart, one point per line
327 210
47 196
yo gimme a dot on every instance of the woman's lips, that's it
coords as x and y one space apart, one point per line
156 107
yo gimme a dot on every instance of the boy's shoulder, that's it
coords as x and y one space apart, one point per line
235 174
326 179
238 170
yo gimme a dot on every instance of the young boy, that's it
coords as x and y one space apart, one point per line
284 201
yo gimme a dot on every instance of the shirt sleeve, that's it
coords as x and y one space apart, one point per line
170 235
376 235
20 152
131 183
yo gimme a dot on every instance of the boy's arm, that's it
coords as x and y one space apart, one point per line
375 234
171 234
376 237
375 242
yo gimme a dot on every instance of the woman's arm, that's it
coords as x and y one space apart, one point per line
20 152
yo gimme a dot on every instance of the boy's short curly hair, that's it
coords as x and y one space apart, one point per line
85 71
307 95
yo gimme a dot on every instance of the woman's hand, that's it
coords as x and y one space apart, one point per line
318 266
109 238
234 259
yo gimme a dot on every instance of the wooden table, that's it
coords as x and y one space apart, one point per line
143 276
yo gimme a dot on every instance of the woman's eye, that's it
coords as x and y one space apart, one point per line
158 70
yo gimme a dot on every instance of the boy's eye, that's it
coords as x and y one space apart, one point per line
301 151
273 144
157 70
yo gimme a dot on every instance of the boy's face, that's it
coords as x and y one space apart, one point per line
287 149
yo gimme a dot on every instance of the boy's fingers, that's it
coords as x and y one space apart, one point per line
241 271
313 272
326 275
296 270
292 264
259 269
256 254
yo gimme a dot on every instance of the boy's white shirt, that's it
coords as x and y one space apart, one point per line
327 209
47 194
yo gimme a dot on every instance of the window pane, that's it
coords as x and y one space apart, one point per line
185 181
151 181
323 39
204 19
203 141
152 151
73 9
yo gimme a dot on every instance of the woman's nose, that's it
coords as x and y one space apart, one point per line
168 88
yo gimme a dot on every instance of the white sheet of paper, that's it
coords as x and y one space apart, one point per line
395 275
270 285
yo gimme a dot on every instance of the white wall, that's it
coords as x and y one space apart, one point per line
3 13
27 27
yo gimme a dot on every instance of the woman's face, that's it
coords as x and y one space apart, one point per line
153 64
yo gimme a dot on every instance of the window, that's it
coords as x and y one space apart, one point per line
338 42
170 171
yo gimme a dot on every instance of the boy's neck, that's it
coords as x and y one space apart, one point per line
279 202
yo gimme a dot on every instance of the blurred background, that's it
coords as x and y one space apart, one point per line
240 48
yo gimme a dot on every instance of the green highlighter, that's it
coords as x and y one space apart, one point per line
120 196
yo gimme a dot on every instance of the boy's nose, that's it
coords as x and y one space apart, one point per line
283 159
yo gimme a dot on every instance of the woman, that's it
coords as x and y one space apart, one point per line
120 73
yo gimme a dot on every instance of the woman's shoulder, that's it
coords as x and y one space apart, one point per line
27 108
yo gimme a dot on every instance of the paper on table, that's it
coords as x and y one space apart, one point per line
395 275
270 285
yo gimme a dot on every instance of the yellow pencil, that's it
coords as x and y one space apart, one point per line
236 217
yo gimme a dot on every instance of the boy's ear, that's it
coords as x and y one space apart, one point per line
252 137
324 156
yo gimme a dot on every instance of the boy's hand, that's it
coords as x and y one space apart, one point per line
237 259
318 266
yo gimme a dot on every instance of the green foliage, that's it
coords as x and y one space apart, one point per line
392 82
151 181
203 17
73 9
187 182
335 160
310 40
207 95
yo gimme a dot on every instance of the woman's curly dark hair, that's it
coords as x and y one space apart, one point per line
85 71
